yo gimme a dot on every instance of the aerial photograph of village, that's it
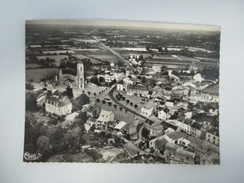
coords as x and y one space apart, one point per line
102 91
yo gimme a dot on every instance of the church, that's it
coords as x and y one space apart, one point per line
76 77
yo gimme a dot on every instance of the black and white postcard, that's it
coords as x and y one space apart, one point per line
104 91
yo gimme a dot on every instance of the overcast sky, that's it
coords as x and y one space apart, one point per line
134 24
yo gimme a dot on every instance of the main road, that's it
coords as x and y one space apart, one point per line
110 94
114 52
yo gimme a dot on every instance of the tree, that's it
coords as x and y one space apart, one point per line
127 101
63 64
42 144
69 92
31 102
160 48
112 83
148 47
80 101
83 116
165 49
101 79
136 106
94 80
29 86
98 100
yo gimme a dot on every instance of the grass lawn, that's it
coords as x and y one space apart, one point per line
38 74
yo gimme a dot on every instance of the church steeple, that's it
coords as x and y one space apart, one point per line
80 75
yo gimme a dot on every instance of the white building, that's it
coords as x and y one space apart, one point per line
212 136
162 115
147 109
105 119
203 97
58 106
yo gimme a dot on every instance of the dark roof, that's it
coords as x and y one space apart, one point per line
70 71
188 121
213 131
160 143
61 102
132 149
176 135
138 87
197 126
168 125
57 93
157 127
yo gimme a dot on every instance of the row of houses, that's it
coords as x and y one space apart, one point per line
186 149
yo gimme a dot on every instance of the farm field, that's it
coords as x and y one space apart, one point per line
38 74
33 66
126 53
57 58
99 54
58 52
214 60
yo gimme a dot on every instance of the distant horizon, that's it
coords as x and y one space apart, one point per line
127 24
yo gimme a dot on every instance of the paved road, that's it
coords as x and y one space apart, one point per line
94 30
110 94
114 52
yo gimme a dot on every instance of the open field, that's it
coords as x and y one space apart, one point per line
33 66
38 74
99 54
57 58
179 61
126 53
58 52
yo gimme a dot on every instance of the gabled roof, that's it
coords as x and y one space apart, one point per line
213 131
106 113
61 102
138 87
197 126
160 142
120 125
149 105
132 149
185 153
157 127
172 146
176 135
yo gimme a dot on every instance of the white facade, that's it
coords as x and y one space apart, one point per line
54 108
120 87
162 115
214 139
184 127
204 97
104 118
146 111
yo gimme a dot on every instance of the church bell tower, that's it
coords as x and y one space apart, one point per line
80 75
